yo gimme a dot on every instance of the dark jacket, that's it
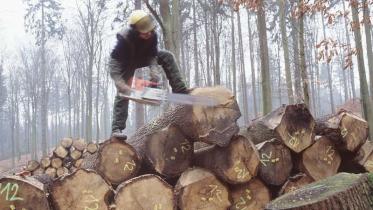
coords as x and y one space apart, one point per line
131 53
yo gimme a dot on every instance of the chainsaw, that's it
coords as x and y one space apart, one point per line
149 86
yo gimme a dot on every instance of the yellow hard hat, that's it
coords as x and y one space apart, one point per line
142 21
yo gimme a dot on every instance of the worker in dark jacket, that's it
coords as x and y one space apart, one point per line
137 47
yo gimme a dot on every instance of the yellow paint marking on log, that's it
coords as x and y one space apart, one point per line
158 206
11 191
294 139
129 166
265 158
344 132
329 155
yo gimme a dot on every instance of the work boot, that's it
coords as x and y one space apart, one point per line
117 133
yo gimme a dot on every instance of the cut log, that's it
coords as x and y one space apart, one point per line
75 154
92 147
212 125
38 171
78 163
321 159
62 171
166 151
365 156
45 162
145 192
347 131
116 161
293 124
236 163
32 165
198 188
342 191
52 172
253 195
61 152
22 193
80 145
276 162
82 189
56 162
295 182
66 142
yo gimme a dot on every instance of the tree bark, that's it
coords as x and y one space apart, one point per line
253 78
294 183
285 47
342 191
266 78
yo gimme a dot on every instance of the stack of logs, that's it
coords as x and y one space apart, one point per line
66 158
165 166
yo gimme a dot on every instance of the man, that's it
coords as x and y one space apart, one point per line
137 47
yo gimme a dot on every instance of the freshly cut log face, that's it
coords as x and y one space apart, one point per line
92 148
45 162
342 191
295 182
168 151
348 131
22 193
52 172
213 125
60 152
236 163
117 161
293 124
253 195
321 159
32 165
276 163
365 156
66 142
198 188
82 189
145 192
56 163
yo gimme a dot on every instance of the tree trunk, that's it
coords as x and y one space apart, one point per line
285 47
145 192
81 189
296 61
253 78
199 189
351 70
303 67
321 160
342 191
195 46
253 195
330 81
234 55
245 97
236 163
368 39
292 124
276 163
22 193
266 78
44 103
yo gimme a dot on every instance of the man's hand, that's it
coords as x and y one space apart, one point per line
123 87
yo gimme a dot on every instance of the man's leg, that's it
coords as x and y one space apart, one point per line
120 114
167 60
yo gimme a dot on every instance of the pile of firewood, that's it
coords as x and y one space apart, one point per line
66 158
198 158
